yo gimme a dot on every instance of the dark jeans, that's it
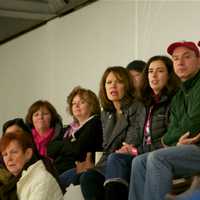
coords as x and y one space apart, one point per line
118 168
66 178
91 183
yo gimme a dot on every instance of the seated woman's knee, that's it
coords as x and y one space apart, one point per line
113 157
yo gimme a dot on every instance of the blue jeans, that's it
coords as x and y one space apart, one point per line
193 196
118 168
152 173
66 178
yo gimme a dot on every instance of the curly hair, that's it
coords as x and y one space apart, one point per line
88 95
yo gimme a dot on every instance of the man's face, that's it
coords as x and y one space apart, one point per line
186 63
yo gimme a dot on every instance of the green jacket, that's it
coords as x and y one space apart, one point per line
185 111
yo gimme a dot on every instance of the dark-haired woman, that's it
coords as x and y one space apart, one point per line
160 85
118 121
14 125
45 124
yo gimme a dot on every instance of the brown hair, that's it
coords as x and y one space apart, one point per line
123 75
55 117
86 94
23 138
172 84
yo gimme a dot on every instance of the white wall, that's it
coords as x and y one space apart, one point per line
75 49
161 22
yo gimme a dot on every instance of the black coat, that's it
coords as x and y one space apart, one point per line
66 151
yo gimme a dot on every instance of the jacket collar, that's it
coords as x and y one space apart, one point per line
186 85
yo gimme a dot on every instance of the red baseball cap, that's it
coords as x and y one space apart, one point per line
187 44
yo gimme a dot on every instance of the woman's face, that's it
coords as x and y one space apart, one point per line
114 88
80 108
41 119
15 158
158 76
137 78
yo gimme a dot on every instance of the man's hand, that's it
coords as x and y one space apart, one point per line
186 139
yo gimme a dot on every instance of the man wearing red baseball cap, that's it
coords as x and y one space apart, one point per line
187 69
152 173
189 45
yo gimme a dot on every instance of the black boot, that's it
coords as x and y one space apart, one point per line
116 191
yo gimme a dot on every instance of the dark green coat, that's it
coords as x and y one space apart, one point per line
185 111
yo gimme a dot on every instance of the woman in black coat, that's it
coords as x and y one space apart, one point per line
81 139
